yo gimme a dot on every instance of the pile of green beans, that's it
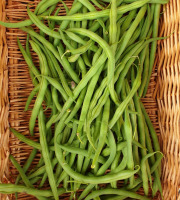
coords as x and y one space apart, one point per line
95 65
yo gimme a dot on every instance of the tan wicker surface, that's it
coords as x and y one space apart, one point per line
15 85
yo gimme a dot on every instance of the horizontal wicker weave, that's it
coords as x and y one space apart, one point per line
161 102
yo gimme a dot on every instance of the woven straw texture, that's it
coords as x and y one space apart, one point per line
161 102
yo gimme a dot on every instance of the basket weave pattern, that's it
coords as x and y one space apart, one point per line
15 86
168 93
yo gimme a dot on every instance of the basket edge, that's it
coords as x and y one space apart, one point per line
4 103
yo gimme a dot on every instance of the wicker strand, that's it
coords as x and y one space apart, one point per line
4 102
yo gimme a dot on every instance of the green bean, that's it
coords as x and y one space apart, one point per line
11 188
113 25
151 129
117 192
46 5
28 60
123 105
64 174
58 172
80 151
21 172
155 144
73 58
154 44
82 84
103 132
114 165
56 100
35 180
77 106
45 153
134 126
151 1
80 158
84 22
143 166
39 5
87 99
154 188
96 3
86 59
123 163
81 97
129 138
99 14
79 40
111 63
88 5
112 155
145 72
27 22
142 139
82 49
49 46
55 83
42 89
91 179
27 47
135 35
74 9
23 175
128 21
120 146
147 24
26 166
115 198
51 69
41 170
98 107
92 8
52 24
25 139
66 8
131 30
156 164
54 67
86 191
130 62
31 96
90 148
96 55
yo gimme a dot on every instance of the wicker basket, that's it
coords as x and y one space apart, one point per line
161 102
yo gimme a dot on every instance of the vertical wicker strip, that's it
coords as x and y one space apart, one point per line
4 102
168 99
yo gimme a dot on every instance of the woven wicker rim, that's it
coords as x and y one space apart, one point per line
161 102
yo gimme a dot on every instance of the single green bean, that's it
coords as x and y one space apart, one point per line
117 192
46 155
31 96
11 188
154 44
46 5
103 132
99 14
112 146
43 87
